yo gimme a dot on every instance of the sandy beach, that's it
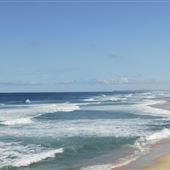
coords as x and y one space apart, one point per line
159 156
165 106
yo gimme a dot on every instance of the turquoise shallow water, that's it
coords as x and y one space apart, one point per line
66 131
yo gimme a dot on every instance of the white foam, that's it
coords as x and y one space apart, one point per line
105 98
17 121
144 142
39 108
98 167
22 114
28 101
16 154
89 100
129 95
121 162
150 97
82 127
163 134
30 159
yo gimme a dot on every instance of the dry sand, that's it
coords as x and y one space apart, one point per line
162 163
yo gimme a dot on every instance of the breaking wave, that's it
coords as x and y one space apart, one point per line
30 159
24 114
17 121
105 98
163 134
19 155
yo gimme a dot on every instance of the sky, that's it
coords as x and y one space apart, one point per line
84 45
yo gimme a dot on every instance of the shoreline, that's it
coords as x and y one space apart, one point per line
159 156
162 162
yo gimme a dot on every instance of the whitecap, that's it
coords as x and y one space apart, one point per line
28 101
16 154
17 121
163 134
89 100
34 158
107 98
22 114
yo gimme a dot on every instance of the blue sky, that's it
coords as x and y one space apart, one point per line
84 46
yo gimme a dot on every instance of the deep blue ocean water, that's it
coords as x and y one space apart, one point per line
69 131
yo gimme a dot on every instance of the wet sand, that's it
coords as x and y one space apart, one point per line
162 163
164 106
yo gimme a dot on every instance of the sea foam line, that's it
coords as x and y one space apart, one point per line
105 98
17 154
120 163
17 121
24 114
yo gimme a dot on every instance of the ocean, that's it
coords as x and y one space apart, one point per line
85 131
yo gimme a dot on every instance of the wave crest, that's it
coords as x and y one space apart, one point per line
17 121
24 114
17 154
30 159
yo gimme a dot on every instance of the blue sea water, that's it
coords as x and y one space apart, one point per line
87 131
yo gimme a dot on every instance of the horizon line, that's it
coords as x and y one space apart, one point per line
84 1
85 91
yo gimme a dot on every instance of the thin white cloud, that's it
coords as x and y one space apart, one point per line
107 82
126 80
121 80
18 83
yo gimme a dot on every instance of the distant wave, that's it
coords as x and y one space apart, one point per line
50 108
89 99
39 108
105 98
17 121
27 101
23 114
